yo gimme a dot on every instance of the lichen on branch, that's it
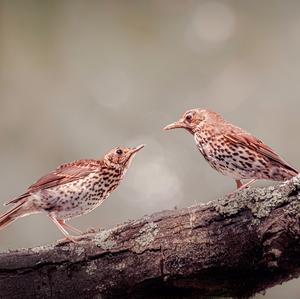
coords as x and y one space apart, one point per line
228 247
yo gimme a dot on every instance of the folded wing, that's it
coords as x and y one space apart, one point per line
64 174
254 144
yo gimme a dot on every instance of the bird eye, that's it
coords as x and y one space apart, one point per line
188 117
119 152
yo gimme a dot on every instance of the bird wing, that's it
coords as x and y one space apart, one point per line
64 174
253 143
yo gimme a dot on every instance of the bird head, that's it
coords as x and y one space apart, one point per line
193 118
121 157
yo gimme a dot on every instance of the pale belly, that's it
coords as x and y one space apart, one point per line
72 199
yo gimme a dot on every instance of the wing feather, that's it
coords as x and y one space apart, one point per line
253 143
64 174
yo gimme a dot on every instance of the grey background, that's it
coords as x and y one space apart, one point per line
79 77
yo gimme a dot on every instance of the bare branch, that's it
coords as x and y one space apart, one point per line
229 247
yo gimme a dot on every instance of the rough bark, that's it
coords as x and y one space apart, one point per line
231 247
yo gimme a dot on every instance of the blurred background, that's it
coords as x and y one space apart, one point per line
80 77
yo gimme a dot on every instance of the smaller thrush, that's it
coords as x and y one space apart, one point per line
73 189
232 151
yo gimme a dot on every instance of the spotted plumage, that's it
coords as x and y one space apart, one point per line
73 189
231 150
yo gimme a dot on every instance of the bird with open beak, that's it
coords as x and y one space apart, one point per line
73 189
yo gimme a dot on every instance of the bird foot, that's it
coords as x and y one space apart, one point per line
232 194
88 234
235 192
70 239
240 187
91 230
78 239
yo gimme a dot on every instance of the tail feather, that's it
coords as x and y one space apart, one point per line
16 200
289 172
11 215
292 171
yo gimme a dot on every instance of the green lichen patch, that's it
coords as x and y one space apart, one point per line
121 266
79 250
105 240
146 236
44 248
91 268
260 201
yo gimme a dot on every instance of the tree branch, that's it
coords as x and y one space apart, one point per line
229 247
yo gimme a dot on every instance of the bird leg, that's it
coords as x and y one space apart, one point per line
71 228
241 186
238 184
75 230
61 228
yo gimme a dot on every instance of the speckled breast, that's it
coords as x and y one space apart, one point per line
222 158
78 197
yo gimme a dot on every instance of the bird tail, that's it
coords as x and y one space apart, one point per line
291 171
12 214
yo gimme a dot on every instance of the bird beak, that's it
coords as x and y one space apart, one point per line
132 153
175 125
136 149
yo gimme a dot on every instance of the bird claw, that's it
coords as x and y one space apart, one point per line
71 239
78 239
241 188
91 230
231 195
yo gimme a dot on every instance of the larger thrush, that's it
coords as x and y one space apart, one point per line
73 189
231 150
